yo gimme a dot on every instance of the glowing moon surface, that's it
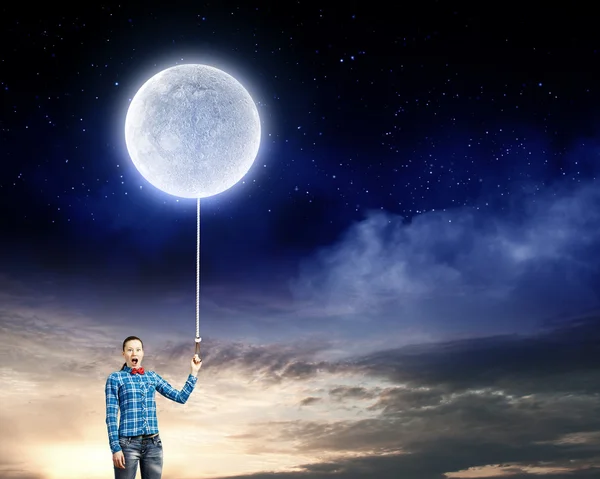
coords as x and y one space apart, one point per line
192 131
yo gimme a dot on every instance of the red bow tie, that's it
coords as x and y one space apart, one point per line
137 371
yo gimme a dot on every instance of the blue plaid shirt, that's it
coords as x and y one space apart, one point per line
133 394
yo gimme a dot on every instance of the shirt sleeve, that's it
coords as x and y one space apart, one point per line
168 391
112 409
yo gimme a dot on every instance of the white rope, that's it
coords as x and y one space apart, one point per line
198 339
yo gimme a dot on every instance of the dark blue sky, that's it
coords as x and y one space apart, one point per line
361 110
443 110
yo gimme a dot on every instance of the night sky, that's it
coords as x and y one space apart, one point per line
410 269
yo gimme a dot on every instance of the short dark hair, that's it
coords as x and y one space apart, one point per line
127 339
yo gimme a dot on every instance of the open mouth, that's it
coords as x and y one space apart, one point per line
134 361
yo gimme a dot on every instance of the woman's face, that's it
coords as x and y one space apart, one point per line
133 353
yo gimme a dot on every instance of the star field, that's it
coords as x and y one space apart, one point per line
362 110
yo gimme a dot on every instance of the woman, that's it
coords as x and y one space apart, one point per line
132 391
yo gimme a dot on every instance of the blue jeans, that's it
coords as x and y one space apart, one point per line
148 452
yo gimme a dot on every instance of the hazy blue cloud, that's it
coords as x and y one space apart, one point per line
462 271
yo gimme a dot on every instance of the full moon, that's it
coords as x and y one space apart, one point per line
192 131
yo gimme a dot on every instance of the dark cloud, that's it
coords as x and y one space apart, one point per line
309 400
396 399
562 360
271 363
517 401
351 392
428 466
